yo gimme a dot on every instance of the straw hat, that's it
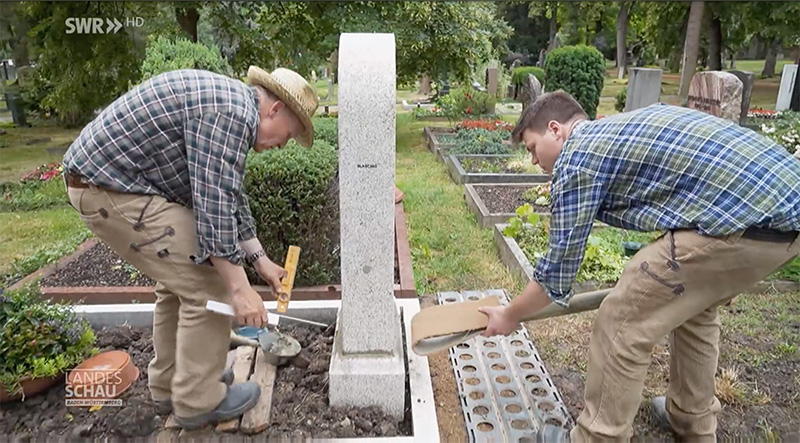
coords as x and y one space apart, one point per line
292 89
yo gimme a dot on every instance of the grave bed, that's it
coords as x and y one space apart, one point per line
299 398
496 203
114 285
459 167
419 422
436 140
513 258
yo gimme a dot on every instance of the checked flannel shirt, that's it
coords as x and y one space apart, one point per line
661 168
183 135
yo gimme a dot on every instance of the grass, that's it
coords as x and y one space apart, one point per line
26 232
450 251
322 92
17 157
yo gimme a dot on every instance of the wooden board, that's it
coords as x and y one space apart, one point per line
241 372
257 419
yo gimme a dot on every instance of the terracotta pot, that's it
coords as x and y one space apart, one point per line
30 387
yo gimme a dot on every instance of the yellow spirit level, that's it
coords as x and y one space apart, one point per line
292 257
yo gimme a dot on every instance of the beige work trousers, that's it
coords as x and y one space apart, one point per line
672 286
158 237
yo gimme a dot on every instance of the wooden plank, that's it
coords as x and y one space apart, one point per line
257 419
241 372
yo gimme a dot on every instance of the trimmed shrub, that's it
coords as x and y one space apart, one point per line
622 97
326 129
294 199
39 339
466 102
520 74
578 70
164 55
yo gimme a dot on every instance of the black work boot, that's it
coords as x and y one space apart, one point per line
241 397
164 407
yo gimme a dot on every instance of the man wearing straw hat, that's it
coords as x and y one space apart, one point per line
158 177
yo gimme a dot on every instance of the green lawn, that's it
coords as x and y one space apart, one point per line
24 233
18 157
449 250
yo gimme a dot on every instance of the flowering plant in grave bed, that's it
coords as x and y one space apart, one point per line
39 339
784 130
604 258
539 195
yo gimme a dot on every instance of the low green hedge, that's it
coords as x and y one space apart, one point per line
519 75
480 141
294 199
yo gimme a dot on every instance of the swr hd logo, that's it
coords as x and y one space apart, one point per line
97 25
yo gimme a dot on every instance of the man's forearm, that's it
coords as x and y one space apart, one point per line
234 276
532 299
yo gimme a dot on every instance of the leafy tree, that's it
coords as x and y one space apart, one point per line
164 55
79 73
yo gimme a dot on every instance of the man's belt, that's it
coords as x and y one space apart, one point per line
769 235
74 181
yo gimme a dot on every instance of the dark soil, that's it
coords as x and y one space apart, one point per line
506 199
299 403
101 266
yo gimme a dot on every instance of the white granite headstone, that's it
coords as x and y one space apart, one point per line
367 367
787 85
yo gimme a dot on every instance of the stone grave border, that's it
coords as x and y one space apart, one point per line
434 145
461 176
145 294
476 205
423 409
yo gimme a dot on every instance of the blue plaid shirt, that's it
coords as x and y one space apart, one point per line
661 168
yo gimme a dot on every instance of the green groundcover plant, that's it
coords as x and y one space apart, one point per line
39 338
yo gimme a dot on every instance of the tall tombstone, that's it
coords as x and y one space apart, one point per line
491 81
644 88
717 93
786 88
367 366
531 90
747 79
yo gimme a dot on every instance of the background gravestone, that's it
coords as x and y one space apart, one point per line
491 81
425 85
367 366
330 90
786 88
644 88
717 93
747 79
530 91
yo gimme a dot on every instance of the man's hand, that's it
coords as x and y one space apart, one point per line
271 273
248 307
500 322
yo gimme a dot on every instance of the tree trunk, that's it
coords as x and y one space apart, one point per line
622 33
553 26
772 58
187 19
691 46
715 44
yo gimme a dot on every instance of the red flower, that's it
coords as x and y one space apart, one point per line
469 110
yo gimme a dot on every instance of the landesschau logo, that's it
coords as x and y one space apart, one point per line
97 25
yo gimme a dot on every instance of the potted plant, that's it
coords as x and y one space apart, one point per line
39 342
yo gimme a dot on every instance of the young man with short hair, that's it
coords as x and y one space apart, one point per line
158 177
729 202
